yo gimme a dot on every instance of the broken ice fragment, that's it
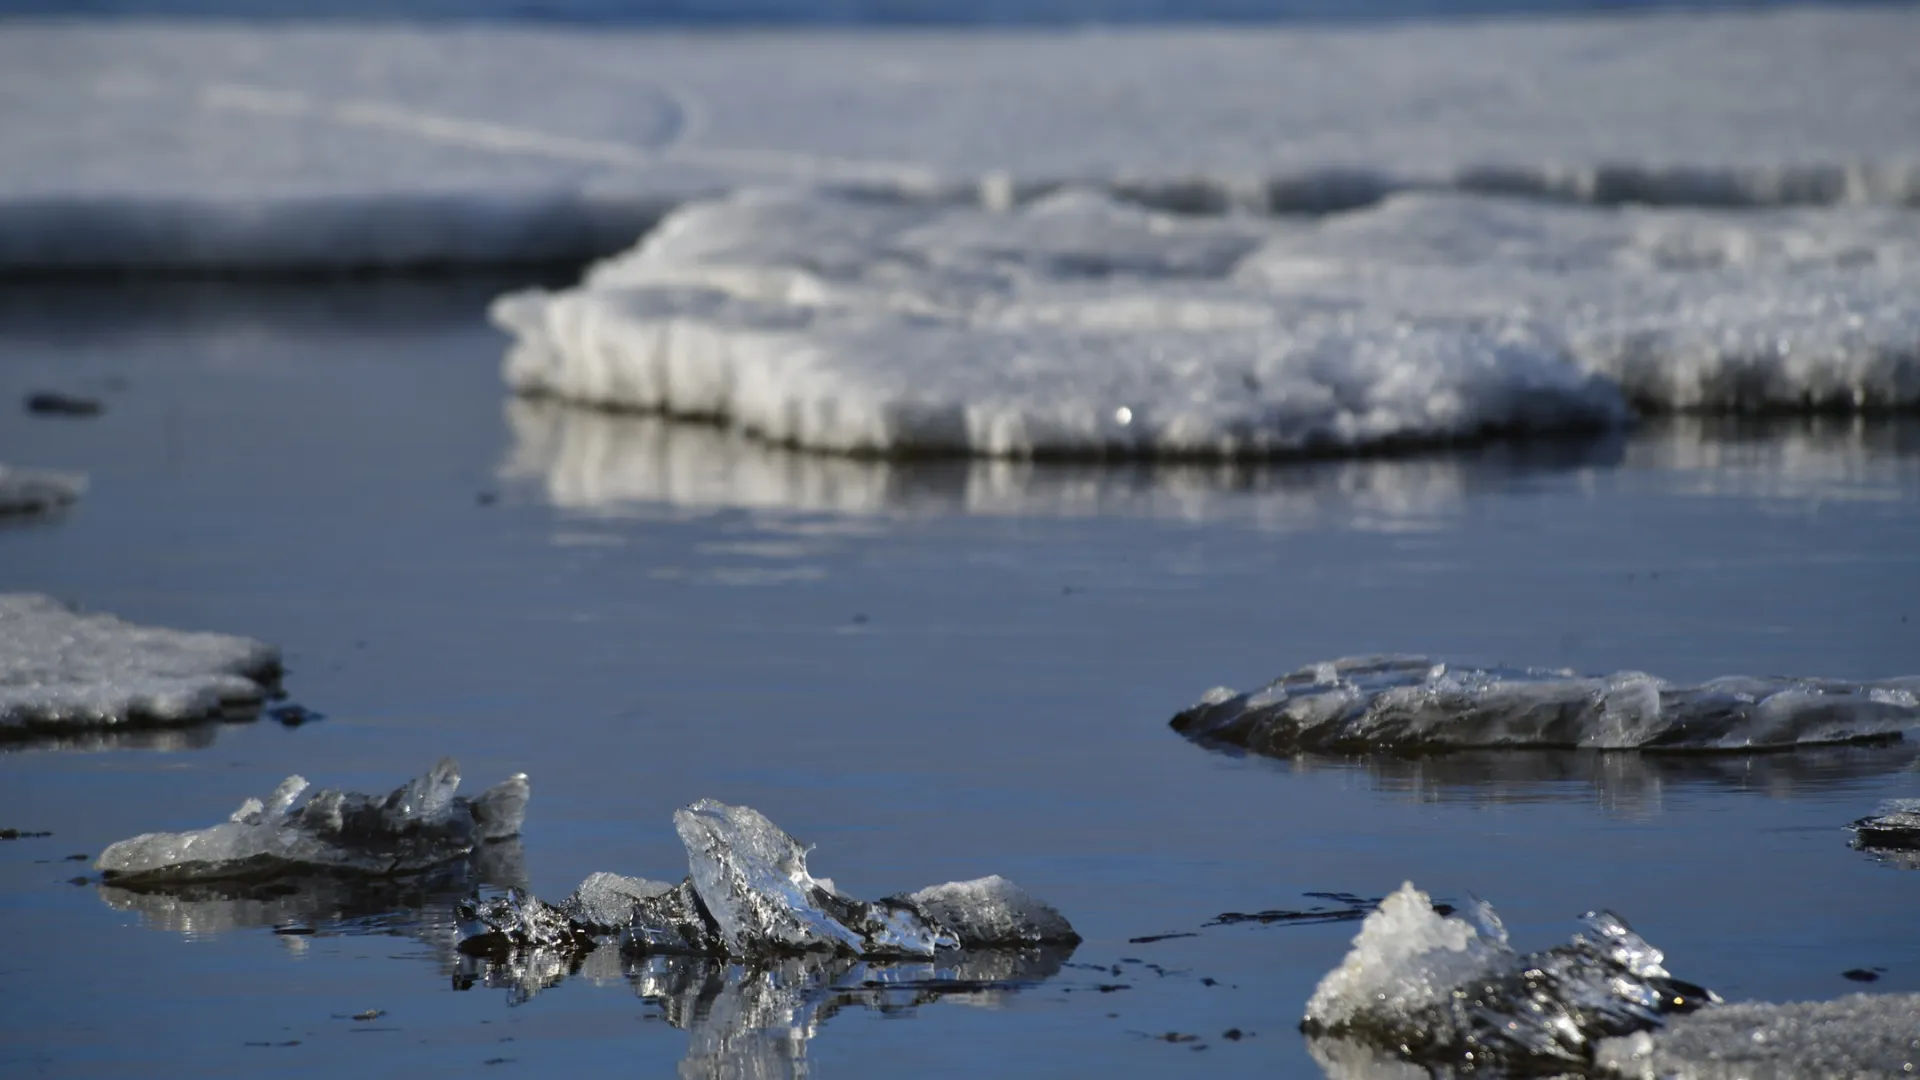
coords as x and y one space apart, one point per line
420 825
1449 990
61 671
749 896
515 921
1413 703
32 491
1896 824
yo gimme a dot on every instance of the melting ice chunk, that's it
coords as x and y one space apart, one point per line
1411 702
1857 1035
749 895
418 826
1896 824
1450 990
32 491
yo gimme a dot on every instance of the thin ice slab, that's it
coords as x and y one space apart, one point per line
36 491
749 894
62 671
418 826
1896 824
1448 990
1861 1035
1414 703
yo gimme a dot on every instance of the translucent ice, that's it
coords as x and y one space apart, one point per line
1411 702
1445 990
749 895
1861 1035
418 826
61 671
32 491
1892 832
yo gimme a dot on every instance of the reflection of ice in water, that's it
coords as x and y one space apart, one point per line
1821 458
587 459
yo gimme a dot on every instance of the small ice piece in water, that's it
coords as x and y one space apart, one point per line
1450 990
515 921
1859 1035
749 895
1413 703
421 825
992 912
61 671
31 491
1896 825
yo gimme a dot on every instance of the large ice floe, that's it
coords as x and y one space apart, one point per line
1083 325
748 894
1891 833
1861 1035
1413 703
37 491
1448 990
418 826
63 672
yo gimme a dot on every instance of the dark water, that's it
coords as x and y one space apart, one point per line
722 13
931 672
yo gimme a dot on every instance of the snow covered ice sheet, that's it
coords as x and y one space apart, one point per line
36 491
63 672
1861 1035
749 894
418 826
1082 325
194 145
1449 990
1414 703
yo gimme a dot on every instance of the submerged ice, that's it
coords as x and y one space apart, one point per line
62 671
36 491
419 825
1449 989
1413 703
749 893
1085 325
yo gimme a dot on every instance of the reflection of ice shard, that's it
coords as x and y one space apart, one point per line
1862 1035
1445 989
417 826
31 491
1412 703
62 672
749 894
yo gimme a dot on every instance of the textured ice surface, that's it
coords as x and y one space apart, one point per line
1411 702
35 491
190 145
1857 1037
61 671
1446 989
1895 827
418 826
992 911
749 895
1081 325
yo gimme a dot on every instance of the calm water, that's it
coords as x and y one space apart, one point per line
931 672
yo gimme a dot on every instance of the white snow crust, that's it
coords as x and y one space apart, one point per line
1406 958
36 491
231 145
61 671
1860 1035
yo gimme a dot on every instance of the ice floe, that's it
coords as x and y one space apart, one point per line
203 145
1414 703
1449 990
1079 325
418 826
1861 1035
37 491
749 894
63 672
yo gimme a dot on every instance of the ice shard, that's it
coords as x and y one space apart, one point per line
748 894
418 826
1413 703
1448 990
63 672
34 491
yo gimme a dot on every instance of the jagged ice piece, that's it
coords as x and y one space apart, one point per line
604 903
992 912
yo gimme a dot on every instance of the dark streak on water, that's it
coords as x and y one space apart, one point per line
647 615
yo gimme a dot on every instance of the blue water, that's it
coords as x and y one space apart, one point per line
866 12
